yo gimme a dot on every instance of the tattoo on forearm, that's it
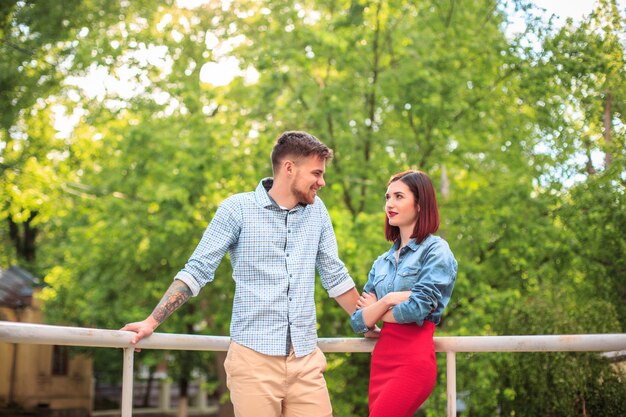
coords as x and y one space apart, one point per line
177 294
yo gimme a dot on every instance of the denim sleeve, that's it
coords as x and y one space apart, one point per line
221 233
333 273
433 287
356 321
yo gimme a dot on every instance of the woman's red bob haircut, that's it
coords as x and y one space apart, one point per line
428 218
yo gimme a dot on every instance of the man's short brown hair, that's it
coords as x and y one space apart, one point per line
298 145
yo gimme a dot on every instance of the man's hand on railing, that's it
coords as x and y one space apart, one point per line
142 328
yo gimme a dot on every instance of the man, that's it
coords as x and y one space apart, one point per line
276 236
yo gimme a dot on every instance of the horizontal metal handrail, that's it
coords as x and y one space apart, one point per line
79 336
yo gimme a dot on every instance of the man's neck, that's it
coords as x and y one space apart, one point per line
281 194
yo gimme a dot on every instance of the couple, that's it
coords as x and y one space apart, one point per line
276 236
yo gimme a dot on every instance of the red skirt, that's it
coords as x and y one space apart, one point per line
403 370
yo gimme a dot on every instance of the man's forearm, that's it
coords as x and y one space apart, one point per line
348 300
175 296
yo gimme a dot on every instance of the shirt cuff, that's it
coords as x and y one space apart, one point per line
402 313
190 281
357 323
346 285
397 314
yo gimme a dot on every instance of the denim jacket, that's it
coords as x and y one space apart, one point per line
427 269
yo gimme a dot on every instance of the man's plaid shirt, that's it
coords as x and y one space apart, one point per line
274 253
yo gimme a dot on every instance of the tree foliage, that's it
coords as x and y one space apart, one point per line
523 134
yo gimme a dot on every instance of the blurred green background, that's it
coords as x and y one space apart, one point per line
123 124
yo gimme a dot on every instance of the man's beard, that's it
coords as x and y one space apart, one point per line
303 198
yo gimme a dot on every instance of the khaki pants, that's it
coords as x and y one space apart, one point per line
271 386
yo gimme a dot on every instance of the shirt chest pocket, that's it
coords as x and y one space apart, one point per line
407 278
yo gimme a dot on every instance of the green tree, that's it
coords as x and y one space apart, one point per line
500 121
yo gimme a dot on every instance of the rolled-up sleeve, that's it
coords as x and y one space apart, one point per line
433 288
334 275
357 322
221 233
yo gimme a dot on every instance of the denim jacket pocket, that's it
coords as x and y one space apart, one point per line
407 278
378 283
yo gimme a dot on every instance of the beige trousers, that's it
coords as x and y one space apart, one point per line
274 386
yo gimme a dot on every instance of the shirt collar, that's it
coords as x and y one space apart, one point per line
413 245
263 198
261 193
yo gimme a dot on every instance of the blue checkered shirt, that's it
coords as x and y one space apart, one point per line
274 253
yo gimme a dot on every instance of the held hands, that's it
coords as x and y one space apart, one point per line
143 329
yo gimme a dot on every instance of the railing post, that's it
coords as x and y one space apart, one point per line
201 396
164 395
127 382
451 382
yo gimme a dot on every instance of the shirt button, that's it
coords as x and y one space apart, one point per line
289 231
287 255
290 323
290 275
290 299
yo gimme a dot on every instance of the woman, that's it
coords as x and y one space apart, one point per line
408 289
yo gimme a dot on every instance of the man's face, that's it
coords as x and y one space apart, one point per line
308 178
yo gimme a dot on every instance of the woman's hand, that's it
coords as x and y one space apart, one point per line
395 298
374 310
366 299
373 334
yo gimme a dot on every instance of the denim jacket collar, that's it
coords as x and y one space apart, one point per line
413 245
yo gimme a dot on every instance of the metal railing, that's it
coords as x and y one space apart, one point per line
77 336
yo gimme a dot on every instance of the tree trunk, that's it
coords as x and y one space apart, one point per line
589 166
24 237
183 401
146 397
183 407
607 130
445 183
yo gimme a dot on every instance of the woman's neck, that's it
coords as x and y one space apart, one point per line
405 235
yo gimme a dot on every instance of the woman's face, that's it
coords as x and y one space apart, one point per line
400 207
